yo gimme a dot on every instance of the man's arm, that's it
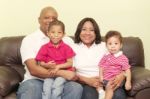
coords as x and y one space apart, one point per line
37 70
41 72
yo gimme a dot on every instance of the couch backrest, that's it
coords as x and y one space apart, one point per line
133 49
10 51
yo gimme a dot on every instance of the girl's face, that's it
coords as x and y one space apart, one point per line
87 34
113 44
55 34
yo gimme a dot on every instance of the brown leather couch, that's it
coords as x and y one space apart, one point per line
12 70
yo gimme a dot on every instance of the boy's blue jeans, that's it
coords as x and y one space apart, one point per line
53 88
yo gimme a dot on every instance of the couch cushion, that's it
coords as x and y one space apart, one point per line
9 80
10 50
133 49
140 80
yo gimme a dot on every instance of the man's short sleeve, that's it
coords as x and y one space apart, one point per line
27 49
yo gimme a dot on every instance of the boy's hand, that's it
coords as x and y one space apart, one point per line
128 85
51 64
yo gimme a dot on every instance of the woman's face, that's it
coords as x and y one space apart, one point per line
87 34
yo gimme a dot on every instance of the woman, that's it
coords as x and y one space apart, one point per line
89 50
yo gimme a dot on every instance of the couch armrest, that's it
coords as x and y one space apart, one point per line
140 80
9 80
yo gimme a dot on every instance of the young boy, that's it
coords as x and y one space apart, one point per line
54 56
113 63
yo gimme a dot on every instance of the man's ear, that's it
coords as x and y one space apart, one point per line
47 33
64 34
121 45
39 20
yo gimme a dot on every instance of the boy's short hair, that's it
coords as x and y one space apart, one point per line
57 22
113 33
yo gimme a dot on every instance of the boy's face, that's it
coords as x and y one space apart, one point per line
113 44
55 34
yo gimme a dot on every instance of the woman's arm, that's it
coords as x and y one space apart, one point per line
116 81
91 81
101 74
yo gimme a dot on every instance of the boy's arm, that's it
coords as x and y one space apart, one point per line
49 65
128 75
128 79
101 74
67 64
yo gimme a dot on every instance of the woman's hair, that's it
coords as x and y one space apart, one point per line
96 30
112 34
57 22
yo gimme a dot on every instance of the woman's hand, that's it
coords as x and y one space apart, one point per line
116 81
92 81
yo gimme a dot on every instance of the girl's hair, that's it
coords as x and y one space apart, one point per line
57 22
96 30
113 33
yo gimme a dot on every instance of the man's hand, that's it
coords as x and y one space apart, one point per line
52 73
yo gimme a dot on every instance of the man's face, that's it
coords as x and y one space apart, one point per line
45 18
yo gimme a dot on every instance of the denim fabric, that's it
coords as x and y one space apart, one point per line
53 88
91 93
72 90
119 93
32 89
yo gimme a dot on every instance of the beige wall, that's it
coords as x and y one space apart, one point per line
130 17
